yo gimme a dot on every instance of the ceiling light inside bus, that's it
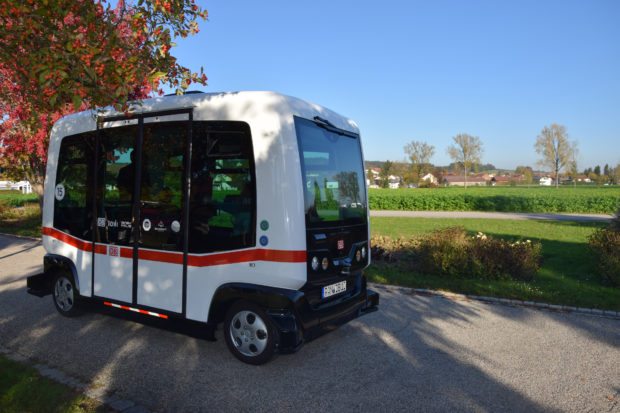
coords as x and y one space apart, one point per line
325 263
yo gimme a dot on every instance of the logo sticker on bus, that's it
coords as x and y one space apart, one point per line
340 244
175 226
146 224
101 222
59 192
113 251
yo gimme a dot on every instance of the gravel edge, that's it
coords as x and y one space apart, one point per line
107 398
502 301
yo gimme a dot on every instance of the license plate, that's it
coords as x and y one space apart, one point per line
334 289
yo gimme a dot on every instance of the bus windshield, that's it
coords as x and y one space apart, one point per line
333 175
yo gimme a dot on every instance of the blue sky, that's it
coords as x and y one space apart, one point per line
408 70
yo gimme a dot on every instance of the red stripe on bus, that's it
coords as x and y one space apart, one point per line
67 239
161 256
101 249
233 257
126 252
246 256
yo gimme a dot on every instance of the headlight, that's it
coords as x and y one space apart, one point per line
314 263
325 264
363 252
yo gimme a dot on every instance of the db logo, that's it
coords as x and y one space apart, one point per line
340 244
113 251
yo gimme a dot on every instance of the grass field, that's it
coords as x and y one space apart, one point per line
568 274
19 214
22 389
601 200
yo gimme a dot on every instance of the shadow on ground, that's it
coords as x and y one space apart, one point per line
416 353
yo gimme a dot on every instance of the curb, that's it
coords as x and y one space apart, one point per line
107 398
21 236
614 315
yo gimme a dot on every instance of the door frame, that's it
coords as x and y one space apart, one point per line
140 117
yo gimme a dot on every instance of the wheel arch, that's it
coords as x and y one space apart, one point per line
42 284
270 298
53 263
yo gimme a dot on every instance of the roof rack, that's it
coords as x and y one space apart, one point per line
189 92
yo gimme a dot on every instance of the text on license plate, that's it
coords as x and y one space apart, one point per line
334 289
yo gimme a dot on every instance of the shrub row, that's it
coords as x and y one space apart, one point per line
452 252
537 200
605 244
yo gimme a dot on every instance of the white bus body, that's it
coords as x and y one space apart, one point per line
248 208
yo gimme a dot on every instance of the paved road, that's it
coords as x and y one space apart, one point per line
417 353
492 215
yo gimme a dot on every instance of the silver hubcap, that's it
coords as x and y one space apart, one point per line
63 294
249 334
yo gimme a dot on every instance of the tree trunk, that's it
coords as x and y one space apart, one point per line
465 175
36 176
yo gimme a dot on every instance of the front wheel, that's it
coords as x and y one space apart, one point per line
64 295
249 333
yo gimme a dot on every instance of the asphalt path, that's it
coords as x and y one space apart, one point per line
417 353
492 215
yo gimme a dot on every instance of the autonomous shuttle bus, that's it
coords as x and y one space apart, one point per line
245 208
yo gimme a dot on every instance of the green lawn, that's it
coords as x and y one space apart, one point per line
23 390
19 214
568 275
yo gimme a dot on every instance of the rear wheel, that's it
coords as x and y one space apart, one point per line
249 333
65 295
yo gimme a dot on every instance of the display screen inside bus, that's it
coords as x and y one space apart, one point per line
333 175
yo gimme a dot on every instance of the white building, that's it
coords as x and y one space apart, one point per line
22 186
545 181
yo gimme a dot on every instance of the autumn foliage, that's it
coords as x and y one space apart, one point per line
59 56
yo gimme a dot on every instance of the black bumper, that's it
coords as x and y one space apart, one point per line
305 323
39 285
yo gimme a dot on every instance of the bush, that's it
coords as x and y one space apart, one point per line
605 244
451 252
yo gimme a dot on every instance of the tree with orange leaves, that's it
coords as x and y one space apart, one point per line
60 56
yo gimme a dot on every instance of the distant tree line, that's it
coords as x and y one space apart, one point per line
557 154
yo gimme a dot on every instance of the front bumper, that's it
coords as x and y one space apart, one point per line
304 323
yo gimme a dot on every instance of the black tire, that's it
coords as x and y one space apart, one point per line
65 295
249 332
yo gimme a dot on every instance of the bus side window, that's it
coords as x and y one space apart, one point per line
74 184
223 191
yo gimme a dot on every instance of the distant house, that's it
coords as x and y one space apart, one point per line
394 182
545 181
584 178
507 179
22 186
374 172
455 180
430 178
